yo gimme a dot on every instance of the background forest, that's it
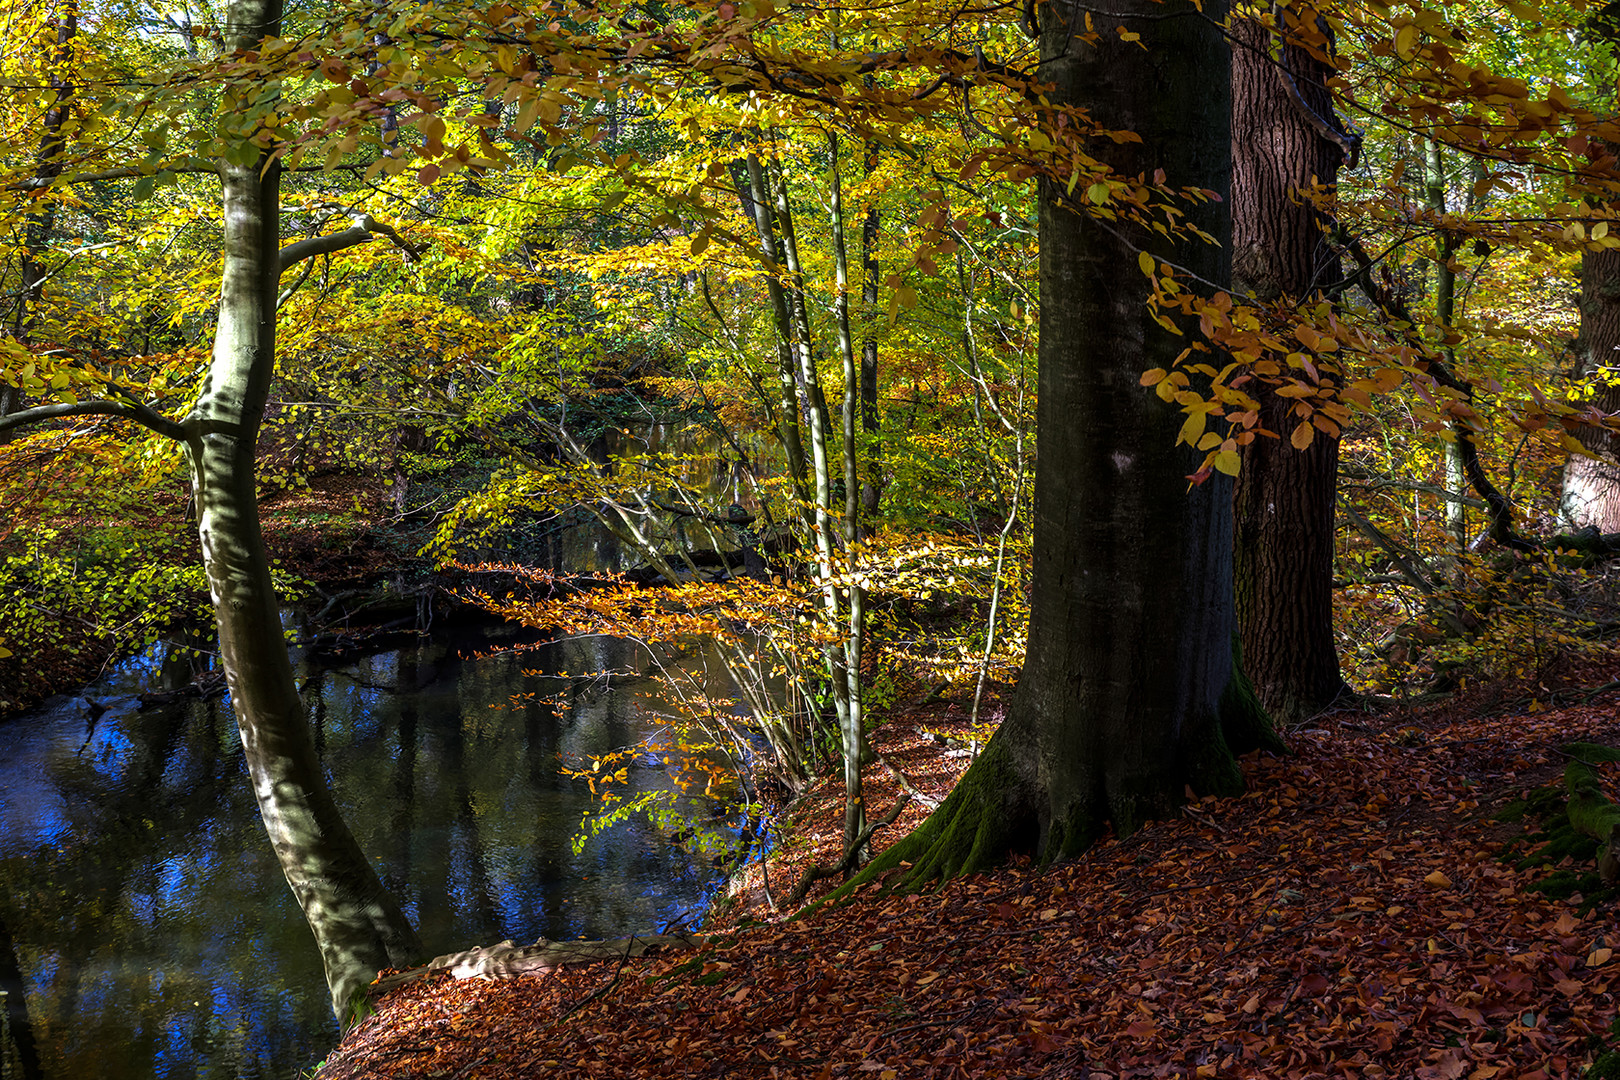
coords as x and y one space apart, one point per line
760 291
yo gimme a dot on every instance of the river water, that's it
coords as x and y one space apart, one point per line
147 921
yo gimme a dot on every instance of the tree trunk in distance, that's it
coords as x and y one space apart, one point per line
38 225
1591 486
1129 693
357 925
1284 503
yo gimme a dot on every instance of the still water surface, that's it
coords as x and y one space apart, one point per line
146 918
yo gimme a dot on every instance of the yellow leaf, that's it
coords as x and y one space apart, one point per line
1227 461
1438 880
1599 957
1145 261
1406 42
1303 434
1153 376
1192 429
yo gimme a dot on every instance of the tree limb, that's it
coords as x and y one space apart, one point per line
927 801
1497 508
1373 533
128 410
364 229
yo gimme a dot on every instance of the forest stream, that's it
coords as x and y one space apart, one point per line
145 919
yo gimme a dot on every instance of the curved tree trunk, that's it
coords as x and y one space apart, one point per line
357 925
1128 693
1592 486
1285 498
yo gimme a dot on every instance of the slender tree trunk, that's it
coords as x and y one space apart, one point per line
1129 692
1284 502
757 202
357 925
823 525
39 224
872 489
1445 312
847 604
1591 484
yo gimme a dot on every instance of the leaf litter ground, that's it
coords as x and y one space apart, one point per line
1352 915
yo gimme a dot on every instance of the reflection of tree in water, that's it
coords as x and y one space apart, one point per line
155 931
16 1031
135 872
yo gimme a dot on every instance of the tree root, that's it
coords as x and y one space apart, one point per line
506 960
905 784
972 831
847 863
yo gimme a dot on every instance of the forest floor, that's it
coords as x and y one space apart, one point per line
1356 914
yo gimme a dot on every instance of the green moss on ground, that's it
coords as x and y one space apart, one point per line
1573 815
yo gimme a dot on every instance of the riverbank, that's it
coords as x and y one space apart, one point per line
1357 913
335 542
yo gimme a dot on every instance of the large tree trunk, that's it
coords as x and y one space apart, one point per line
1592 485
1285 498
357 925
1128 689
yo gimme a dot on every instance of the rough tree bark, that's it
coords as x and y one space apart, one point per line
1285 498
1591 494
1129 692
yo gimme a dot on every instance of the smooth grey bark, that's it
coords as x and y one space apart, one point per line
1128 693
754 192
847 604
357 925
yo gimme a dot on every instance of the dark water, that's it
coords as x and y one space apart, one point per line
148 920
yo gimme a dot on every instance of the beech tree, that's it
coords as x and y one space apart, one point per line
1285 141
1591 495
1129 693
357 925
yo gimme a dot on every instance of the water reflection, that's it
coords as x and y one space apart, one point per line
142 909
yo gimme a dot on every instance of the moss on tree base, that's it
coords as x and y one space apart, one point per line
994 811
973 830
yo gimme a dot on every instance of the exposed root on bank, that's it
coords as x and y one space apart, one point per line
507 961
821 872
